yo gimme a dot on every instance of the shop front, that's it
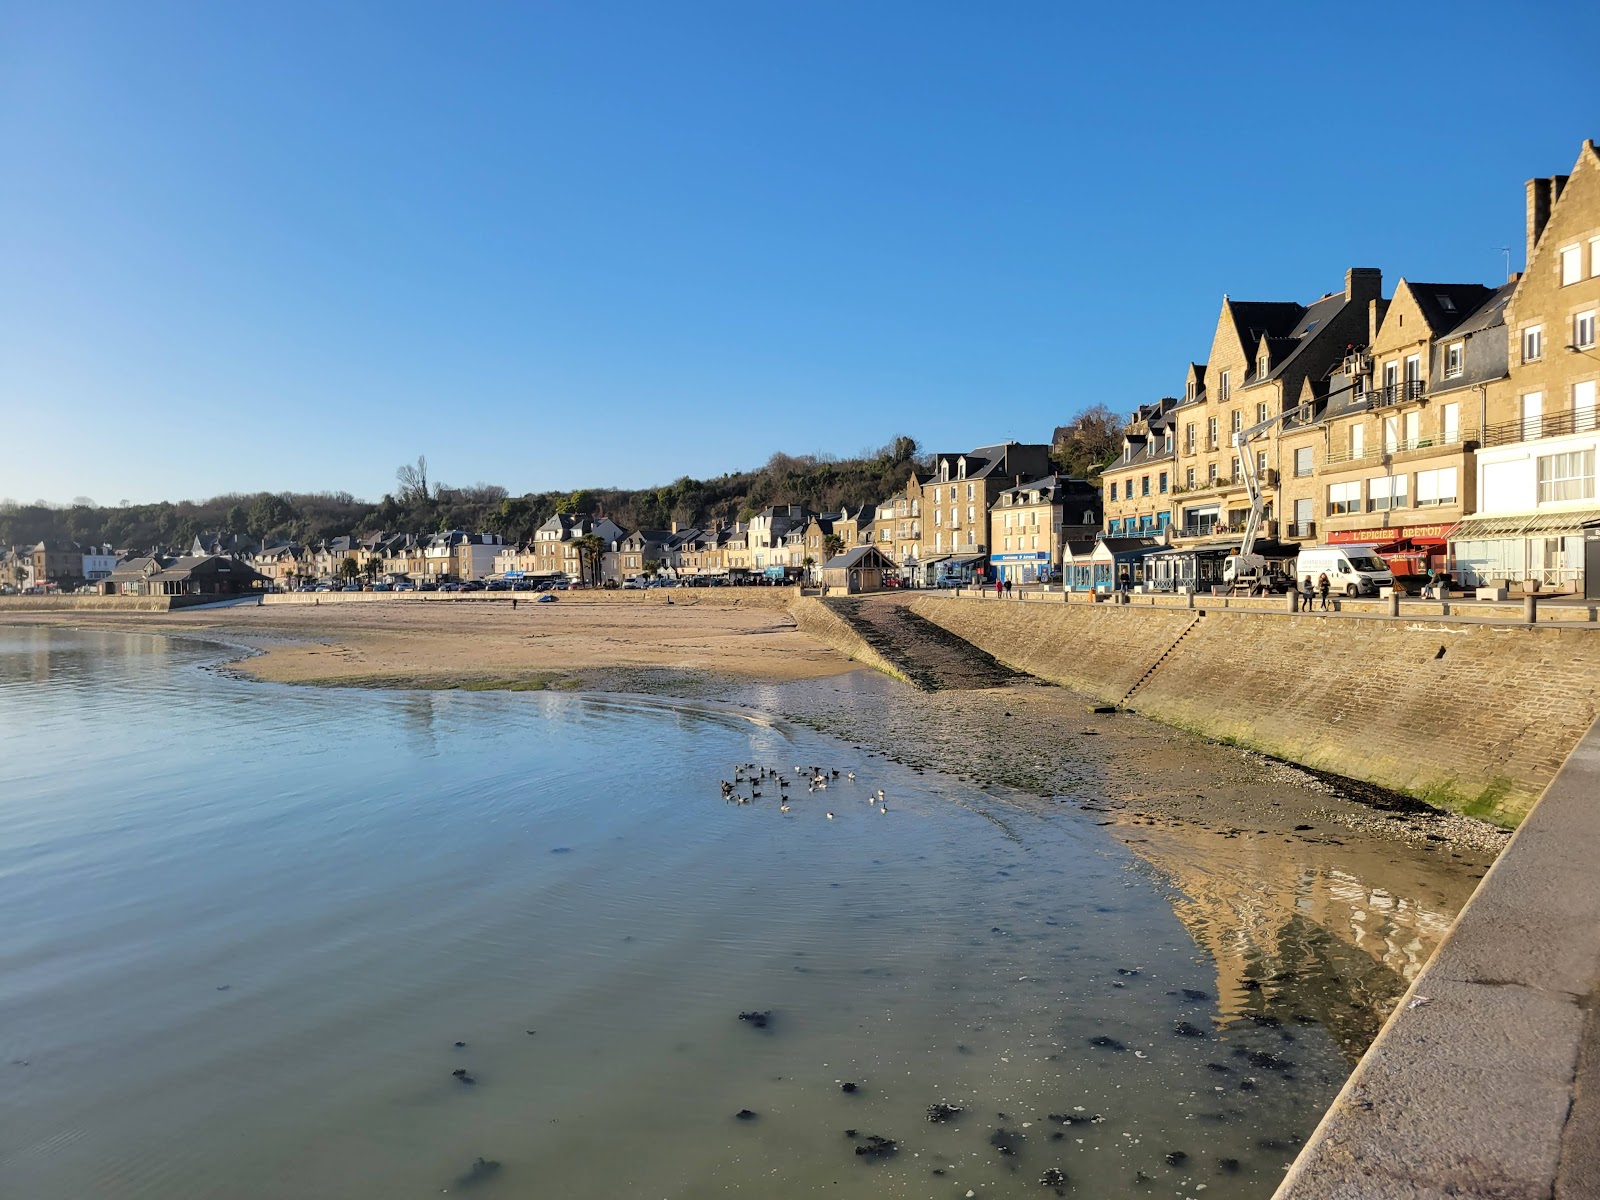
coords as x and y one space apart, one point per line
1547 549
1030 567
1409 550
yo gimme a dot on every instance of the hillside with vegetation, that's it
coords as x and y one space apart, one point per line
419 505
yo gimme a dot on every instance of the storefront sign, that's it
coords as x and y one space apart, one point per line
1381 537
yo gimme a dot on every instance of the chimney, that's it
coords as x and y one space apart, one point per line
1363 284
1538 212
674 527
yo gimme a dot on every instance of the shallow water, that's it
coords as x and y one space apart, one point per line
245 926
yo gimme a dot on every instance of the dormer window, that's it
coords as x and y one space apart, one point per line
1188 392
961 469
944 470
1263 367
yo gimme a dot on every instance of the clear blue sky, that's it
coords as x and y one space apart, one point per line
290 246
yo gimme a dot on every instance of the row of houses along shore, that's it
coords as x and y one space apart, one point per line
1449 426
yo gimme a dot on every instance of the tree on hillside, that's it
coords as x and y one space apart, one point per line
579 501
413 481
1088 442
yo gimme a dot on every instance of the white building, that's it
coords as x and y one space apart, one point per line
1535 496
98 562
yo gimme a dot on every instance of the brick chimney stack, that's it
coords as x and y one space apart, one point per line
1363 284
1542 196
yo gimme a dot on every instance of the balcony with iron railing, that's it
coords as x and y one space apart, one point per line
1301 529
1532 429
1463 437
1387 394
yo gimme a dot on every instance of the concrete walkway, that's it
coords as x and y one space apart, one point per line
1486 1080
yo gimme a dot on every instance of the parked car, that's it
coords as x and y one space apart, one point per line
350 587
382 587
633 585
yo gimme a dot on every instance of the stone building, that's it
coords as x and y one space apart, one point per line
1138 486
1536 469
898 525
955 526
1030 524
1403 418
1265 355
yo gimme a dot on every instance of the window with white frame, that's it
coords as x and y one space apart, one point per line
1261 463
1567 476
1188 478
1532 415
1436 487
1188 438
1583 330
1454 359
1344 498
1261 412
1302 461
1386 492
1571 264
1391 434
1413 427
1358 441
1450 423
1211 473
1533 343
1236 420
1224 386
1263 366
1583 406
1211 433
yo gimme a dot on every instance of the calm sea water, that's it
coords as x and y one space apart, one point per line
244 927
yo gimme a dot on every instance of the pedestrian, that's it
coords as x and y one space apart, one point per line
1428 590
1008 589
1122 581
1307 593
1322 589
999 587
513 604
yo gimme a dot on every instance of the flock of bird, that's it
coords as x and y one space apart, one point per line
753 777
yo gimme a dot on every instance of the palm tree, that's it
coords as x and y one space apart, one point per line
590 547
373 569
832 546
349 570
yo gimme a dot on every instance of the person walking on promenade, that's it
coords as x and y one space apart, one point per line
1008 589
1307 593
1122 581
999 587
1429 591
513 604
1322 589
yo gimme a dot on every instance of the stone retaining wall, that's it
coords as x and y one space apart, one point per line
22 604
1475 717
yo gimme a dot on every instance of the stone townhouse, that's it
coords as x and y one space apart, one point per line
736 550
553 549
898 525
855 527
649 551
765 536
1030 525
1265 355
284 563
402 555
57 563
1536 497
1402 419
1138 486
955 526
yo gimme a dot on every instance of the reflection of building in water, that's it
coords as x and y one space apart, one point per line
1291 938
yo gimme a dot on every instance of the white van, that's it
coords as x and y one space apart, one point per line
1351 570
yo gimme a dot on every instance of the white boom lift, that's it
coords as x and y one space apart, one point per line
1247 569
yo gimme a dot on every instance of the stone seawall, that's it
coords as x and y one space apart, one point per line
817 620
752 597
49 604
1473 717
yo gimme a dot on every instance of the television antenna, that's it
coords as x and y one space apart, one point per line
1506 250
